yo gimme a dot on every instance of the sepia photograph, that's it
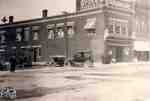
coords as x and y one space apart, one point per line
74 50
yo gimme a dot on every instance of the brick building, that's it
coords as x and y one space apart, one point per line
104 27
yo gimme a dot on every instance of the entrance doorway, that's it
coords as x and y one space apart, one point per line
119 53
36 53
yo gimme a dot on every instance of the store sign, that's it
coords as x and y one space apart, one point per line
85 4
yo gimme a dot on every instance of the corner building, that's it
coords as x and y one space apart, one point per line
104 27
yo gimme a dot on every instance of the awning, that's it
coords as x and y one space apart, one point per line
141 46
90 23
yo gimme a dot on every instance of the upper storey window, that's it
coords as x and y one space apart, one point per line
59 31
50 29
2 37
70 29
118 27
18 34
27 34
35 32
90 26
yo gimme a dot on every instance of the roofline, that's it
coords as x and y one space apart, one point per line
55 18
49 18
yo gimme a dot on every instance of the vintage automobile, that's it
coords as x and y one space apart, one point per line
57 60
81 58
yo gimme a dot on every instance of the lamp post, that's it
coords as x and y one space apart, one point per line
66 34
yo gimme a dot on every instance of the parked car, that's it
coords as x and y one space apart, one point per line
57 60
81 58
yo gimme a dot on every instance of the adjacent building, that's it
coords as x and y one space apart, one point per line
109 29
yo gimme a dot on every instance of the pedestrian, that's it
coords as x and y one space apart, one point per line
12 64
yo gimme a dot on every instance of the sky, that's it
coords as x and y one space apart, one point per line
29 9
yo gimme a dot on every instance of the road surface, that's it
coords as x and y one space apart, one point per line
102 83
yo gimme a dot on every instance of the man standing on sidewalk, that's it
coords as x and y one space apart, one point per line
12 64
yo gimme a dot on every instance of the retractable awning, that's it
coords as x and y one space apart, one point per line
90 23
141 46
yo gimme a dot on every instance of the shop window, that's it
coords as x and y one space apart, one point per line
35 36
50 34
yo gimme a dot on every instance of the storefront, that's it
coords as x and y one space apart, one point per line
118 50
141 51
